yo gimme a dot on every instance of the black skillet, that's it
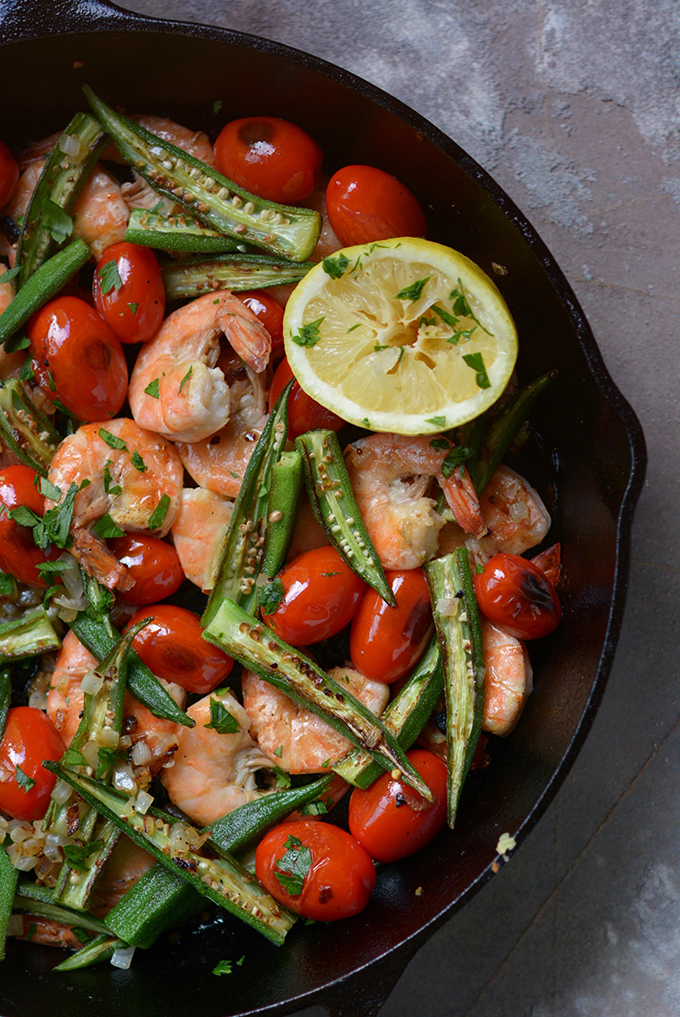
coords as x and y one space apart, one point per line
589 463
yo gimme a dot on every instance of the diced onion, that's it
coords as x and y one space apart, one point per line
123 779
20 833
70 144
447 606
141 753
20 861
122 957
142 802
38 699
90 751
61 792
108 738
91 683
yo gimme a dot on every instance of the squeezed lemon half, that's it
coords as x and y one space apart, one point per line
404 335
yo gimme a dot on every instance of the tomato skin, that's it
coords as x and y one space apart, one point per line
270 157
321 595
270 313
142 284
72 345
173 648
365 204
385 642
9 175
515 593
383 818
340 879
153 564
29 738
304 413
18 553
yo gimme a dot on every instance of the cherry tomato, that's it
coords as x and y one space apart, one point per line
25 785
321 595
516 594
304 413
366 204
270 313
332 874
134 302
9 175
386 642
392 820
77 359
173 648
18 553
269 157
153 564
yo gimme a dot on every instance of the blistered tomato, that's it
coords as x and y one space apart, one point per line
365 204
128 291
304 413
516 594
25 785
317 870
153 564
386 642
270 157
19 555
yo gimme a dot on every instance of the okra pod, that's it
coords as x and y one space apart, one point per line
217 202
241 555
61 181
101 948
25 430
176 233
8 882
42 286
458 627
5 697
282 510
222 880
332 498
405 717
27 636
298 677
185 280
37 899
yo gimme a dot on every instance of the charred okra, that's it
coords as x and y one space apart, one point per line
185 280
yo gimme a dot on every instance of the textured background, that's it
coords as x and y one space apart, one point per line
574 107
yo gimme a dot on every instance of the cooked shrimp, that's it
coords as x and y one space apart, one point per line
44 931
100 216
10 363
218 463
198 533
181 362
390 474
126 864
24 189
214 773
507 680
293 737
129 483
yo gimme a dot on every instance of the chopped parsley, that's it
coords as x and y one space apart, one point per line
77 856
220 719
159 513
461 333
446 317
48 569
53 527
106 760
6 277
56 221
377 348
217 106
279 752
352 327
109 487
270 596
293 866
440 443
133 308
412 292
308 335
7 586
462 307
19 341
317 808
112 440
186 378
23 780
72 757
476 362
138 462
105 527
336 266
222 967
456 457
152 389
436 421
282 778
109 277
479 569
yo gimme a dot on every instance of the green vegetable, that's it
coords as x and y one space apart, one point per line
26 432
8 882
100 948
176 233
282 510
293 866
27 636
5 697
185 280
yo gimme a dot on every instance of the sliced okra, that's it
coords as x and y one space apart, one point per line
61 181
405 717
180 232
217 202
222 880
101 948
42 286
282 510
299 678
27 636
332 499
241 555
9 877
456 618
5 697
185 280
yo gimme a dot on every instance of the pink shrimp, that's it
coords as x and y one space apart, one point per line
198 533
100 216
180 363
507 679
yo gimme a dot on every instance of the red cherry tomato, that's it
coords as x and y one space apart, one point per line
153 564
18 553
270 313
134 302
77 359
269 157
392 820
173 648
304 413
321 595
385 642
513 592
9 175
29 738
335 874
366 204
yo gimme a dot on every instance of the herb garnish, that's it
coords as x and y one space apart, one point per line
293 866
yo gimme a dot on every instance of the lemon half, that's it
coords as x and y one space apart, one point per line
404 335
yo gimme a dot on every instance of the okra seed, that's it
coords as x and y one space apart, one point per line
203 207
395 774
223 193
237 201
167 164
249 208
276 516
194 173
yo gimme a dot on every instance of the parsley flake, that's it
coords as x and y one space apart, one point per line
109 487
186 378
106 760
7 585
336 266
138 462
377 348
476 362
109 277
7 276
48 490
282 778
48 569
222 967
446 316
217 106
270 596
440 443
317 808
23 780
479 569
159 513
462 307
72 757
133 308
456 457
77 856
309 334
56 221
112 440
152 389
220 719
412 292
19 341
105 527
293 866
436 421
352 327
279 752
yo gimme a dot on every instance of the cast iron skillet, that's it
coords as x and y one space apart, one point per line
591 469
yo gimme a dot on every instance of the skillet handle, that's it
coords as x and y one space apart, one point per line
364 993
22 19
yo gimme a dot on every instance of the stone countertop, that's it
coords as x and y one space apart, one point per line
573 108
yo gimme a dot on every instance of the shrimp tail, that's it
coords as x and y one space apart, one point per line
98 562
462 499
247 336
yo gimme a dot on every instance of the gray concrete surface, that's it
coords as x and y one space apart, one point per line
574 108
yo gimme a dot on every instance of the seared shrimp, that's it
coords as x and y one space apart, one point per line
390 474
293 737
508 679
130 483
218 463
214 773
100 216
192 400
198 533
126 864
